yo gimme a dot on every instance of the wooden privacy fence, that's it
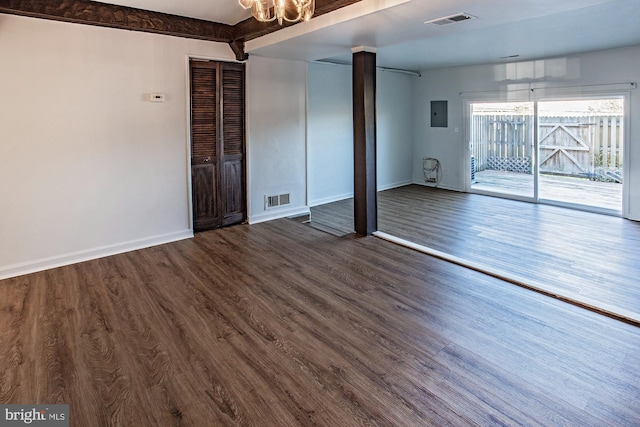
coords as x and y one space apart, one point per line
588 146
502 142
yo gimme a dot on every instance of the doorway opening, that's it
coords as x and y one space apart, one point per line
567 152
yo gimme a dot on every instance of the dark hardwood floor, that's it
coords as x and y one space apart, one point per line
584 256
279 324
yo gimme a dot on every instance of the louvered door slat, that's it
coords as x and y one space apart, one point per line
203 113
233 108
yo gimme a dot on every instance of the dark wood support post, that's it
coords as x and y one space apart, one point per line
364 141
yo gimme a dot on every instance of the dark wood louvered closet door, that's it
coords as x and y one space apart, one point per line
217 144
233 143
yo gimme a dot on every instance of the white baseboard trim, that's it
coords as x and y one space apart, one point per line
394 185
339 197
331 199
89 254
270 216
443 187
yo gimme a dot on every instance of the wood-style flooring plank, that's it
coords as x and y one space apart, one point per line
584 256
281 324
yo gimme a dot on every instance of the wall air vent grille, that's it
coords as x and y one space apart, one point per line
276 200
271 201
459 17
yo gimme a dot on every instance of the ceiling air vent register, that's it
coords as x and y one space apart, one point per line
452 19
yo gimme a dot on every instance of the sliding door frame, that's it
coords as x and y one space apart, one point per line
550 95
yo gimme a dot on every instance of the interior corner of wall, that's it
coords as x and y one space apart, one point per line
278 214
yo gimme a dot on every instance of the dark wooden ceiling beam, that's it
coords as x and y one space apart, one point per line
128 18
122 17
238 48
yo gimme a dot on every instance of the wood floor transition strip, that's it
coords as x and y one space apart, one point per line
577 300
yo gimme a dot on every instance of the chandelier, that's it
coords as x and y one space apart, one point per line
282 10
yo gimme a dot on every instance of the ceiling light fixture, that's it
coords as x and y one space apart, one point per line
281 10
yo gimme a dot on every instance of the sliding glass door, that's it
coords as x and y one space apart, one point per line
581 149
502 148
565 152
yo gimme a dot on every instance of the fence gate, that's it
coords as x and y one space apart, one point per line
584 146
571 152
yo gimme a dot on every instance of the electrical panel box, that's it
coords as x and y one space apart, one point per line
439 114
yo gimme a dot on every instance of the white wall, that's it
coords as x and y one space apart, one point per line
330 122
479 82
87 167
394 128
276 131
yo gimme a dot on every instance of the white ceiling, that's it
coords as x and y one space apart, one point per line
529 28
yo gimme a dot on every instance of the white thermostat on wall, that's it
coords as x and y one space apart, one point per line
156 97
